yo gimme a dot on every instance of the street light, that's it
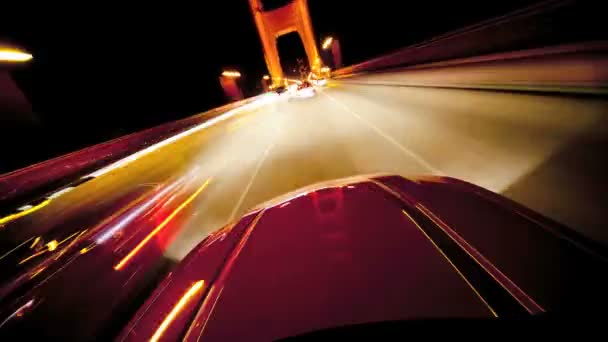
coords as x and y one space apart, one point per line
13 55
266 77
229 80
327 42
231 74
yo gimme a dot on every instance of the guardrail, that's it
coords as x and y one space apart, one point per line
545 24
576 68
30 182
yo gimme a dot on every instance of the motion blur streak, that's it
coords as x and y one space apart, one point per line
18 312
32 256
123 162
327 42
307 92
231 74
14 55
19 246
176 310
15 216
37 271
108 233
54 244
161 226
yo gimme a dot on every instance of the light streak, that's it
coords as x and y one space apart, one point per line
231 73
127 160
28 211
33 256
14 249
14 55
52 245
19 312
176 310
108 233
160 226
35 242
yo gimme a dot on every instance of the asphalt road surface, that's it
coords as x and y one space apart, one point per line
547 152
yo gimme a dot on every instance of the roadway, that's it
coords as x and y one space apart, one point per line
546 152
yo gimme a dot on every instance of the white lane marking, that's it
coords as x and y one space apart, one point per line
255 173
388 138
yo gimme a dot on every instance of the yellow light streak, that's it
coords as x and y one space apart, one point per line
14 55
176 310
35 242
52 245
161 226
15 216
33 256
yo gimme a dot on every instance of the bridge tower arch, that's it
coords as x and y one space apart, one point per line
292 17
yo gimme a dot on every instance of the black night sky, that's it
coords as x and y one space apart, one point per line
104 69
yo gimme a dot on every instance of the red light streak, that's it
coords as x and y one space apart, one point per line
137 248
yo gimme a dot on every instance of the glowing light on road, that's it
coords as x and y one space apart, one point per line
36 240
322 82
52 245
37 272
126 259
293 80
327 42
176 310
125 221
260 101
266 77
32 256
29 210
306 92
14 55
231 73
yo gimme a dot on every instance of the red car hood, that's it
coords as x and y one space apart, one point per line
367 250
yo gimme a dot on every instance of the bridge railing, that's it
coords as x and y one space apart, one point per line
566 69
545 24
28 183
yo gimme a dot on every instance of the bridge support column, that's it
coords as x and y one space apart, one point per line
293 17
